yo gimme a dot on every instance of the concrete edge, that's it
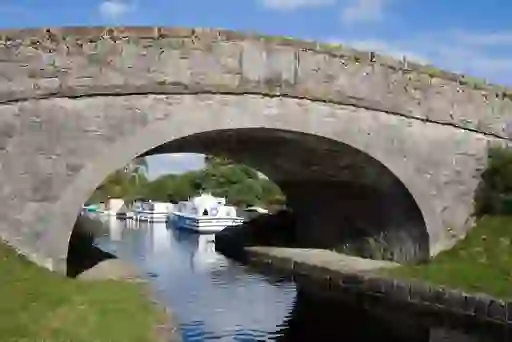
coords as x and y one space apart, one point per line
427 296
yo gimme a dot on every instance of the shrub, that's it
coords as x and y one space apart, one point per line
494 192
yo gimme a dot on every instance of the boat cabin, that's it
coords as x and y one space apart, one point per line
206 205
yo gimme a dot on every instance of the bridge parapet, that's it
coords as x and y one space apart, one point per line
81 61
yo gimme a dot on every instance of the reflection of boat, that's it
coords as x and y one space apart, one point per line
115 229
124 213
152 211
160 236
204 214
203 256
112 206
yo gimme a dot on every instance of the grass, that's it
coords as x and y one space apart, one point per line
481 262
38 305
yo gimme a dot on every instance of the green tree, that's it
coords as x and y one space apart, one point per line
494 192
240 184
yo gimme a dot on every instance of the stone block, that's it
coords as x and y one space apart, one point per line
281 65
469 304
254 66
438 296
352 280
401 291
455 300
497 310
418 291
299 278
388 286
373 285
508 308
482 302
300 268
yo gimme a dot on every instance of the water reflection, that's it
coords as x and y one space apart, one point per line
217 299
212 297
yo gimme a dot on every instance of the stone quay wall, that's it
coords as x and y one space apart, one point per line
425 296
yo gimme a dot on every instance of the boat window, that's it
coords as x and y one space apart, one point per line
205 212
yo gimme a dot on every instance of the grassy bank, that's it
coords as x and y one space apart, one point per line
37 305
482 262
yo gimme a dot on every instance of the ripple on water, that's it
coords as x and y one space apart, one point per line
215 299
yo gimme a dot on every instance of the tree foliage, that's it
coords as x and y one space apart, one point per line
494 192
240 184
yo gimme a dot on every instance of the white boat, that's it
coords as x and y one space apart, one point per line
123 213
204 214
112 206
152 211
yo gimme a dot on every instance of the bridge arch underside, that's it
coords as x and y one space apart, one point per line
341 197
348 173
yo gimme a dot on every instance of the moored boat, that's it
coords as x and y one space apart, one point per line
152 211
204 214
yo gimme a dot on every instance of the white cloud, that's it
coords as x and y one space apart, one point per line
290 5
114 9
363 11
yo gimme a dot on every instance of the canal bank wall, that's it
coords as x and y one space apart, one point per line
338 272
426 296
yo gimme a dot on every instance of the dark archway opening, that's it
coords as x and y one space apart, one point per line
83 254
337 197
341 198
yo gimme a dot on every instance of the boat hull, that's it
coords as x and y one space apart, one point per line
125 216
203 224
150 217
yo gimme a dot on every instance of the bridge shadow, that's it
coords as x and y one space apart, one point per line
82 253
320 315
361 222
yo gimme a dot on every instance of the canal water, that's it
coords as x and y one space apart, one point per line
216 299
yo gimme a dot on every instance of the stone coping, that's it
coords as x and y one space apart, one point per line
480 306
96 33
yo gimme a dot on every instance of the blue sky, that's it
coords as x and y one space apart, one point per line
472 37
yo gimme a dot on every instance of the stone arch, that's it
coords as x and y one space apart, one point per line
398 113
186 115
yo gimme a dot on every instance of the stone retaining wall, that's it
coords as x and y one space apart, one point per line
432 297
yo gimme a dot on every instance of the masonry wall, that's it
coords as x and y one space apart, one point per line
79 61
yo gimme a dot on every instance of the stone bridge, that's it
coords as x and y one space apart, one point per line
358 142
